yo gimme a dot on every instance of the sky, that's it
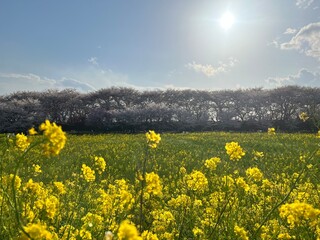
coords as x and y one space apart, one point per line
148 44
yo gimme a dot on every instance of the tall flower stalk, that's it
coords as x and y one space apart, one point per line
153 139
52 142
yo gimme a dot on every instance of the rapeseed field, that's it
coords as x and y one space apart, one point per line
212 185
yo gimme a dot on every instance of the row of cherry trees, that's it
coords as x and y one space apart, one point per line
130 110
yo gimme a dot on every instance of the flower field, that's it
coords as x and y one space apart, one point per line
212 185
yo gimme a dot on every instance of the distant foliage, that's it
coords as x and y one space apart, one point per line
129 110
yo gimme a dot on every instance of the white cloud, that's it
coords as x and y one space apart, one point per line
290 31
303 78
86 79
274 43
306 41
303 3
94 61
73 83
13 82
207 70
26 78
210 70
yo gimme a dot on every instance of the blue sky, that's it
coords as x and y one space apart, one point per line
88 45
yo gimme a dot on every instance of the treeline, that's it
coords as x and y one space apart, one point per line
130 110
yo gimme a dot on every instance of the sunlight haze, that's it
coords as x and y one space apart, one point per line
227 20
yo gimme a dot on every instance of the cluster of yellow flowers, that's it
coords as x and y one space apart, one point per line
271 131
162 223
153 138
181 201
242 183
100 164
37 231
55 136
197 181
241 232
60 187
42 200
299 213
212 163
88 173
6 181
254 173
234 151
153 184
22 142
128 231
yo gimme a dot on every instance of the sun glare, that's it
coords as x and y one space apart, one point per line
227 20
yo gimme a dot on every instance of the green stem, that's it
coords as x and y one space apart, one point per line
15 200
182 222
14 193
221 215
142 184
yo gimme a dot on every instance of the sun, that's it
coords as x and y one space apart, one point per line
227 20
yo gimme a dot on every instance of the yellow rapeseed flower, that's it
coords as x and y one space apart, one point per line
6 181
100 164
37 168
303 116
162 220
227 181
284 236
271 131
254 173
153 138
197 232
121 195
153 184
22 142
35 188
37 231
234 151
88 173
51 204
60 187
242 183
183 170
257 155
55 136
181 200
147 235
197 181
92 220
298 213
241 233
128 231
212 163
32 131
85 234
